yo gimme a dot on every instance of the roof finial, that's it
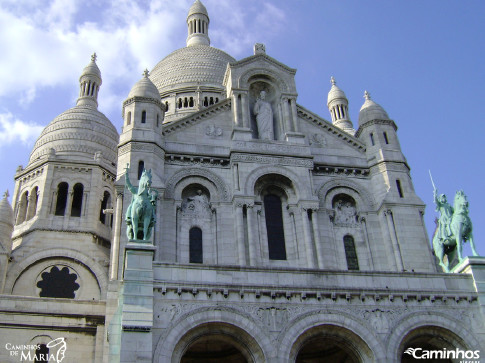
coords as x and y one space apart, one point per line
93 57
367 95
332 81
6 195
145 73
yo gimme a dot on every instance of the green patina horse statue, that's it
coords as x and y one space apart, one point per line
454 228
141 213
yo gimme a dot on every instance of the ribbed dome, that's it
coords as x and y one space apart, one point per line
371 111
191 66
78 134
335 92
144 88
198 8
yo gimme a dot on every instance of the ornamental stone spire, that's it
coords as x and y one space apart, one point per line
89 83
198 25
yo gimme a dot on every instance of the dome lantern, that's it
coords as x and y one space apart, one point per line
338 105
89 83
198 25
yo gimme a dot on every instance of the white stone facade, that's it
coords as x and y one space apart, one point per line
307 247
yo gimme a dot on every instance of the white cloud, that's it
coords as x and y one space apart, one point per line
13 130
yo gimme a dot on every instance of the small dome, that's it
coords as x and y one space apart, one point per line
335 92
91 69
198 8
371 111
144 88
78 134
197 65
6 212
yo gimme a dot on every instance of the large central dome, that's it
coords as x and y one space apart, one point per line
196 65
191 78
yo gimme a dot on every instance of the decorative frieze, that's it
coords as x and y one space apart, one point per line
274 160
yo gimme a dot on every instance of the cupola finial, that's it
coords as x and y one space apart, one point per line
367 95
145 73
332 81
94 57
6 194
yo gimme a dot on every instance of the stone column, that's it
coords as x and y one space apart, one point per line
245 110
253 256
286 114
308 238
137 315
241 248
115 248
294 115
366 239
395 243
318 244
235 102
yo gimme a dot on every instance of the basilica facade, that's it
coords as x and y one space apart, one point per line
275 234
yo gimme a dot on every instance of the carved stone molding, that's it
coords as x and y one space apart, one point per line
249 158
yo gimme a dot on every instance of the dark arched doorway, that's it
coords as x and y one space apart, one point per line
326 349
213 348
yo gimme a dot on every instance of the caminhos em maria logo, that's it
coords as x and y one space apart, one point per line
54 351
465 356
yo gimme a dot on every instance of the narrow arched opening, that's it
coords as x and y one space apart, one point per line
61 202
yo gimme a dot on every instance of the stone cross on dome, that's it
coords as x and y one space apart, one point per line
332 81
145 73
94 57
367 95
6 194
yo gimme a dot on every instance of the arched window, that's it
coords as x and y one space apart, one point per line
399 188
166 106
58 283
385 137
274 225
180 103
372 139
23 206
32 203
186 102
105 205
206 102
195 245
61 199
77 200
350 253
128 118
158 119
143 117
191 102
211 100
141 167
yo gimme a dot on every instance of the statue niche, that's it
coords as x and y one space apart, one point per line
345 211
196 204
264 117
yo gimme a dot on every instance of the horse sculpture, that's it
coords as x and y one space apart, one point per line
140 215
453 229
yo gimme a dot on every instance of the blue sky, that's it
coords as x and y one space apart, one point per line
423 61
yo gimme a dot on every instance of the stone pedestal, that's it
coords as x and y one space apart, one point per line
295 137
242 134
137 316
475 266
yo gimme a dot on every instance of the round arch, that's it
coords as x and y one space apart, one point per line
206 321
182 178
419 323
364 343
244 79
99 273
300 191
328 190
